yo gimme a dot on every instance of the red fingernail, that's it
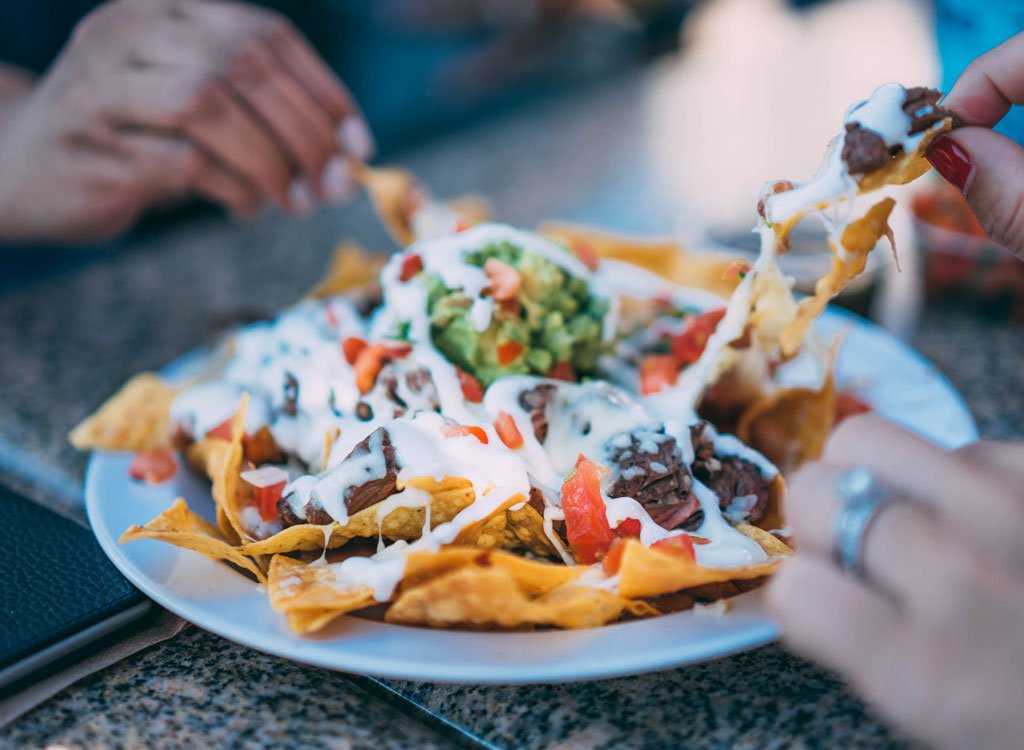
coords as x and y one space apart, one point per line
951 161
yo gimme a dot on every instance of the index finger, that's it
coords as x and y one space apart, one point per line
990 85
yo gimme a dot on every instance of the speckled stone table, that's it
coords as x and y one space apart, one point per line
68 341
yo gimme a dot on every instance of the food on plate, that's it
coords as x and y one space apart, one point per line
500 428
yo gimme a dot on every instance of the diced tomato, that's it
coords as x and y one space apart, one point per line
368 364
586 525
849 405
680 545
266 499
153 466
221 431
613 560
586 254
629 527
351 348
689 345
736 270
461 430
505 280
472 391
412 264
397 349
462 225
563 371
508 352
506 428
658 371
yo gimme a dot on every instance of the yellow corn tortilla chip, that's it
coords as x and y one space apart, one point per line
771 544
666 258
905 166
133 419
792 425
351 268
858 239
305 594
646 572
181 527
525 529
395 194
533 577
224 465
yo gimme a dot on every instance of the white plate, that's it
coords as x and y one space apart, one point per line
897 381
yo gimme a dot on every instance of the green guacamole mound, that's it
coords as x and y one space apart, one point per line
556 320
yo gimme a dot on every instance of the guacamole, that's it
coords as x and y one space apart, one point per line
551 325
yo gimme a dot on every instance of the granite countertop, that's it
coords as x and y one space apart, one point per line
69 341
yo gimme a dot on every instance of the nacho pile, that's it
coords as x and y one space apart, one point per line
560 428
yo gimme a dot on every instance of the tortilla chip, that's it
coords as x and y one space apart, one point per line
305 594
224 466
181 527
905 166
792 425
771 544
395 194
350 268
858 239
472 209
533 577
648 572
525 529
490 596
663 257
133 419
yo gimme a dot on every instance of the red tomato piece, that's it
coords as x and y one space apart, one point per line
153 466
266 499
586 254
508 352
472 391
586 525
849 405
507 430
736 270
629 527
411 265
613 560
689 345
461 430
563 371
397 349
221 431
680 545
368 364
351 348
658 371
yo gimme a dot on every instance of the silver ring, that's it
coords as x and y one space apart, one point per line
861 497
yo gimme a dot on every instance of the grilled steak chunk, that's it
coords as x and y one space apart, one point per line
535 402
648 467
742 489
921 105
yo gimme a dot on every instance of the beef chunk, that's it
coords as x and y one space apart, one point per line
376 490
360 496
420 382
535 402
864 150
921 105
648 467
536 500
742 489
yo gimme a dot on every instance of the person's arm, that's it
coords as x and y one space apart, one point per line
987 167
154 101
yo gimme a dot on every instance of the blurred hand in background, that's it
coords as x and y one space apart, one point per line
151 102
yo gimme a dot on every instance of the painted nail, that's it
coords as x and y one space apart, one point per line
355 137
337 180
300 197
952 162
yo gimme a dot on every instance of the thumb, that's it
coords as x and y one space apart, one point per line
988 168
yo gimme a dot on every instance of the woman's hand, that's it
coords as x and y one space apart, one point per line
987 167
933 635
154 100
